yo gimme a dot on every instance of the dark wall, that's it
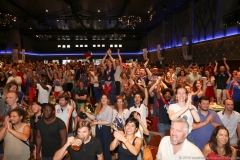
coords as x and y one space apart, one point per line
198 23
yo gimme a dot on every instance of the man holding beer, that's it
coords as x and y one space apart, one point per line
83 146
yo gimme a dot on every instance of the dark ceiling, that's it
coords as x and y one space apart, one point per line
85 19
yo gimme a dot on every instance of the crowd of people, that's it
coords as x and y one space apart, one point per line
111 107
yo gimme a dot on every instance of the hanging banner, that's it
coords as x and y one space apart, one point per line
15 55
23 55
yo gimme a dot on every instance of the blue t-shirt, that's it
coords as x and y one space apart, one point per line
202 135
235 87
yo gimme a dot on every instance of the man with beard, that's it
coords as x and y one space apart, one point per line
37 115
163 102
90 146
176 146
208 121
51 133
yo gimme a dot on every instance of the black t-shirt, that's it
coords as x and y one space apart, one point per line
33 127
81 93
50 134
221 80
88 151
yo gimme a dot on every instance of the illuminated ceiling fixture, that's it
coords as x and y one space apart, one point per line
6 19
43 37
130 21
118 36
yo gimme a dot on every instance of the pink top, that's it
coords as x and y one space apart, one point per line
214 156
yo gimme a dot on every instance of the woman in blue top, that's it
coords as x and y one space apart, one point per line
103 120
110 68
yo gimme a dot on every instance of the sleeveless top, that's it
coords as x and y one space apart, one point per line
125 154
14 148
214 156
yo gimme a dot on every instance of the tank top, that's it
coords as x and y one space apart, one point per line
214 156
14 148
125 154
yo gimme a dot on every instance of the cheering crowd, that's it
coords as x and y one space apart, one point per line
112 107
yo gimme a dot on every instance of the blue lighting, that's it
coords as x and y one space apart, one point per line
68 54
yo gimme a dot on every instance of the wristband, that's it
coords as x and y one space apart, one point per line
192 109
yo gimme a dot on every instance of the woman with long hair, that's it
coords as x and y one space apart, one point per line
103 120
182 77
219 146
110 69
128 144
120 113
198 90
184 109
210 84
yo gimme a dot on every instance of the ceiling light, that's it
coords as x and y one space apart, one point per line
148 11
57 20
99 20
98 10
30 27
46 10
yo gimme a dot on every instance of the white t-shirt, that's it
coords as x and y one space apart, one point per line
187 115
231 124
17 79
143 111
118 73
65 114
188 151
212 79
43 94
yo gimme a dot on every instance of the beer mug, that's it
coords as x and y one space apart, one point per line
77 144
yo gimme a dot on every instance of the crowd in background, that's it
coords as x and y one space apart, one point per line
123 101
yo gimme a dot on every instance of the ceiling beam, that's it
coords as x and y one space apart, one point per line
89 32
28 13
126 4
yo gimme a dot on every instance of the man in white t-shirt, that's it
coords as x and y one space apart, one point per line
67 113
43 89
176 146
15 78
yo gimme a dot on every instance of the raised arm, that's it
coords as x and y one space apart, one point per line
149 73
134 149
226 65
120 58
145 101
22 136
63 151
153 87
215 68
112 59
103 61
